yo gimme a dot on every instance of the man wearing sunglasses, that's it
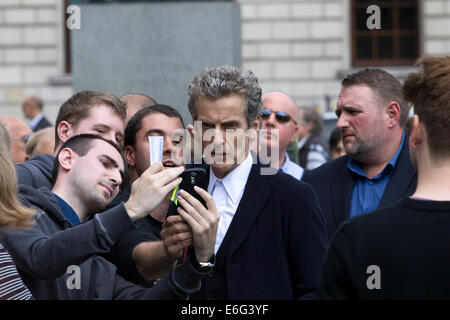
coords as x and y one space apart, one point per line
278 118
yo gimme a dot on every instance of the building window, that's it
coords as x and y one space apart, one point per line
396 43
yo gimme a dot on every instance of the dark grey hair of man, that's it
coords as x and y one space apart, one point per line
215 83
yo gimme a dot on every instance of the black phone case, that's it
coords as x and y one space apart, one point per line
194 177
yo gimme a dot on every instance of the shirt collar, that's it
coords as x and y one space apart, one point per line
68 211
354 166
292 168
33 122
235 181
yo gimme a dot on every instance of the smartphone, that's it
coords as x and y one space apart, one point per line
192 177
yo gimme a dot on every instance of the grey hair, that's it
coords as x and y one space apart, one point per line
5 135
215 83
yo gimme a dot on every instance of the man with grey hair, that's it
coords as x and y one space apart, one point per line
271 238
377 170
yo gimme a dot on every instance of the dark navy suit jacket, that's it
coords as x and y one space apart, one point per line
333 183
279 239
44 123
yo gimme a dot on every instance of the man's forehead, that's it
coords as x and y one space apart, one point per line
102 147
279 102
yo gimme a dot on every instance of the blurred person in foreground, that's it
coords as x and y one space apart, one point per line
15 217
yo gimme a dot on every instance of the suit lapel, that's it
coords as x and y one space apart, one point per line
256 192
401 179
341 190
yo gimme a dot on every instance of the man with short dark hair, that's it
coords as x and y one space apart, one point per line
32 109
149 252
94 112
376 171
401 251
88 172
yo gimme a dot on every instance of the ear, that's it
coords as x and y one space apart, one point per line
417 133
65 131
393 112
65 158
130 156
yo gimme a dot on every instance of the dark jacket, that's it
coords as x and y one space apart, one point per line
276 243
44 252
44 123
333 183
397 252
36 172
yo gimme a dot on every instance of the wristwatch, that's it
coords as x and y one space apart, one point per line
203 267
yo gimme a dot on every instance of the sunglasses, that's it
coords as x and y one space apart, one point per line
282 117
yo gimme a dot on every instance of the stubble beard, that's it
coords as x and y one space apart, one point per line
361 150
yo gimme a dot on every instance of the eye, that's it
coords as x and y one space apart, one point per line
207 126
230 126
119 139
100 130
104 163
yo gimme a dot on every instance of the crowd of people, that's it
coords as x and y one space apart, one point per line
86 214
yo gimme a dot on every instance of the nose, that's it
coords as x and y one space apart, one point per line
270 122
219 136
168 146
342 121
115 177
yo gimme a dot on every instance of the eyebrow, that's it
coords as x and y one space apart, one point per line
114 163
226 123
347 108
157 131
107 127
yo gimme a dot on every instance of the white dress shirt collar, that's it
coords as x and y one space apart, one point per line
235 181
